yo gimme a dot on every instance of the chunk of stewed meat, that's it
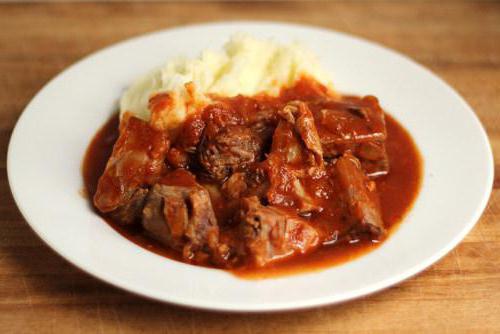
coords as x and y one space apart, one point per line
349 120
353 125
235 186
271 235
290 166
298 114
231 149
251 111
361 197
183 218
252 182
263 122
135 163
130 211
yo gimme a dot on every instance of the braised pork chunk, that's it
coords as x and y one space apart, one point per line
272 235
136 163
253 181
182 218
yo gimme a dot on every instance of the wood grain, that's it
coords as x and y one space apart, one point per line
40 292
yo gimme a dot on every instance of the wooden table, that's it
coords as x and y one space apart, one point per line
40 292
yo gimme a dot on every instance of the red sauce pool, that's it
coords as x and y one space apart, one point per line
397 190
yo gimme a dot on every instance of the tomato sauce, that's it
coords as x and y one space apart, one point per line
397 190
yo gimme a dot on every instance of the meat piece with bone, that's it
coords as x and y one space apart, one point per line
271 235
135 163
183 218
360 196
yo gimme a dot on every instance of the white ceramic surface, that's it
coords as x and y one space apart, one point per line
51 137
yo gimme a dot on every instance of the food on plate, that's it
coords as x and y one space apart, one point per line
246 66
247 158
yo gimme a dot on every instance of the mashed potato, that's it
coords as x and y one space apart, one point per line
245 66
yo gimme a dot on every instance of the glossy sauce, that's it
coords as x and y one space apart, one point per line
397 192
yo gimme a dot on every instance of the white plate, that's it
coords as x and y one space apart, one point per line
51 137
